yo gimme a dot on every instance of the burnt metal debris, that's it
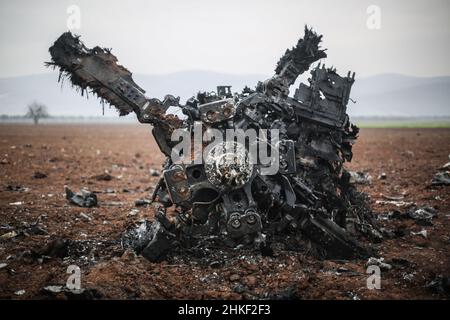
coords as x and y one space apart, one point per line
310 196
84 198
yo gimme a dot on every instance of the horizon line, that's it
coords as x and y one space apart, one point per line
228 74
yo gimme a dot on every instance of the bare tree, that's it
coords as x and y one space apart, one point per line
36 111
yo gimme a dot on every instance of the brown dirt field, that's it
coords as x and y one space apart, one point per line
72 154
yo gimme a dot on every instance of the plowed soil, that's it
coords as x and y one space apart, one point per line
41 234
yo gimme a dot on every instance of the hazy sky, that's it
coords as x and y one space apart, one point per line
232 36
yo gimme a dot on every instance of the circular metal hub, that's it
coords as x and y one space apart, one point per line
227 165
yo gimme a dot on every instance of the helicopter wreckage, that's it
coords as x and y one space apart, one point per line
226 197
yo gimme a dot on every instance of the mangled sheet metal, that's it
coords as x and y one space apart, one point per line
225 190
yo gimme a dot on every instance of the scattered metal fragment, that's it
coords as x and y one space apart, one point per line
19 292
83 199
18 203
389 215
34 228
441 179
440 284
423 216
154 172
422 233
133 212
54 289
396 203
85 217
408 276
311 194
378 262
16 188
142 202
360 177
9 235
113 203
137 237
26 229
446 166
382 176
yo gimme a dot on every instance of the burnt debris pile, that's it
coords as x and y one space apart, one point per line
231 195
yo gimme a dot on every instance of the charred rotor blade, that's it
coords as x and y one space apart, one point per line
298 59
97 69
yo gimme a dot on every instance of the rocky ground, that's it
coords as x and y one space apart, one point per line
41 234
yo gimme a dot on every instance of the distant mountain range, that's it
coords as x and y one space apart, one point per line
400 95
380 95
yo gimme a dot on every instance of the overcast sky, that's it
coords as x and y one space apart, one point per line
232 36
